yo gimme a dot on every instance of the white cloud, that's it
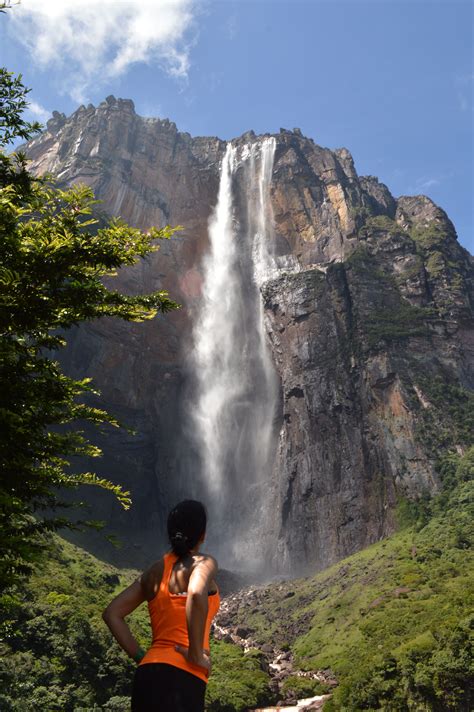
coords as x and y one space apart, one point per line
464 84
429 183
426 183
92 42
232 27
38 111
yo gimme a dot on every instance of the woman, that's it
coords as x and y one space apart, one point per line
182 600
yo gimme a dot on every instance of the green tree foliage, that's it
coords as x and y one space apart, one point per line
55 652
53 258
13 102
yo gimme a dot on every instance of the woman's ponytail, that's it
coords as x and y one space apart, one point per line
186 525
180 544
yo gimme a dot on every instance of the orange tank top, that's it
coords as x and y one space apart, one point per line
168 624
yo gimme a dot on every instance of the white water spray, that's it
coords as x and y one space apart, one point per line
236 387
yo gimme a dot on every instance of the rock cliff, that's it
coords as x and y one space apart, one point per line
370 328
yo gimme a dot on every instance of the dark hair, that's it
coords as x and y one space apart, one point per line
186 524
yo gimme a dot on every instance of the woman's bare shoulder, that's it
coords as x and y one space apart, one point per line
151 578
207 560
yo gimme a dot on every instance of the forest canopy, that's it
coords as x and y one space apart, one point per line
54 254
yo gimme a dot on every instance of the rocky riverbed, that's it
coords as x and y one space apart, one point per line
307 705
277 662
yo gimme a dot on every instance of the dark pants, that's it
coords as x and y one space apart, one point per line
164 688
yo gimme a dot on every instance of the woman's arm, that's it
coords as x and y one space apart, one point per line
115 613
196 611
122 605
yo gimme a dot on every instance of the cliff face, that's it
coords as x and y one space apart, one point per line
370 327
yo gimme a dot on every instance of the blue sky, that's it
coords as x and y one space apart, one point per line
391 80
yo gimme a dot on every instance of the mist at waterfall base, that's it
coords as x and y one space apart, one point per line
232 404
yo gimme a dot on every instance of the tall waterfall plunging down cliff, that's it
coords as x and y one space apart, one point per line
236 388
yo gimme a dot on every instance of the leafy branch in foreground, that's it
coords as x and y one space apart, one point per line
53 258
13 102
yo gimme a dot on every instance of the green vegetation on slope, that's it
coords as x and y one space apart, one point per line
237 681
449 421
394 622
57 654
399 322
390 317
429 236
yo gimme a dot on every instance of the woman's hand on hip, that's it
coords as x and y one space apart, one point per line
202 659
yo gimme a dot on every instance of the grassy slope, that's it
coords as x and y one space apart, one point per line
394 622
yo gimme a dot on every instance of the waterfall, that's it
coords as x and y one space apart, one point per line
261 214
216 361
234 402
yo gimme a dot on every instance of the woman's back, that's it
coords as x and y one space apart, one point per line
182 600
167 609
181 574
